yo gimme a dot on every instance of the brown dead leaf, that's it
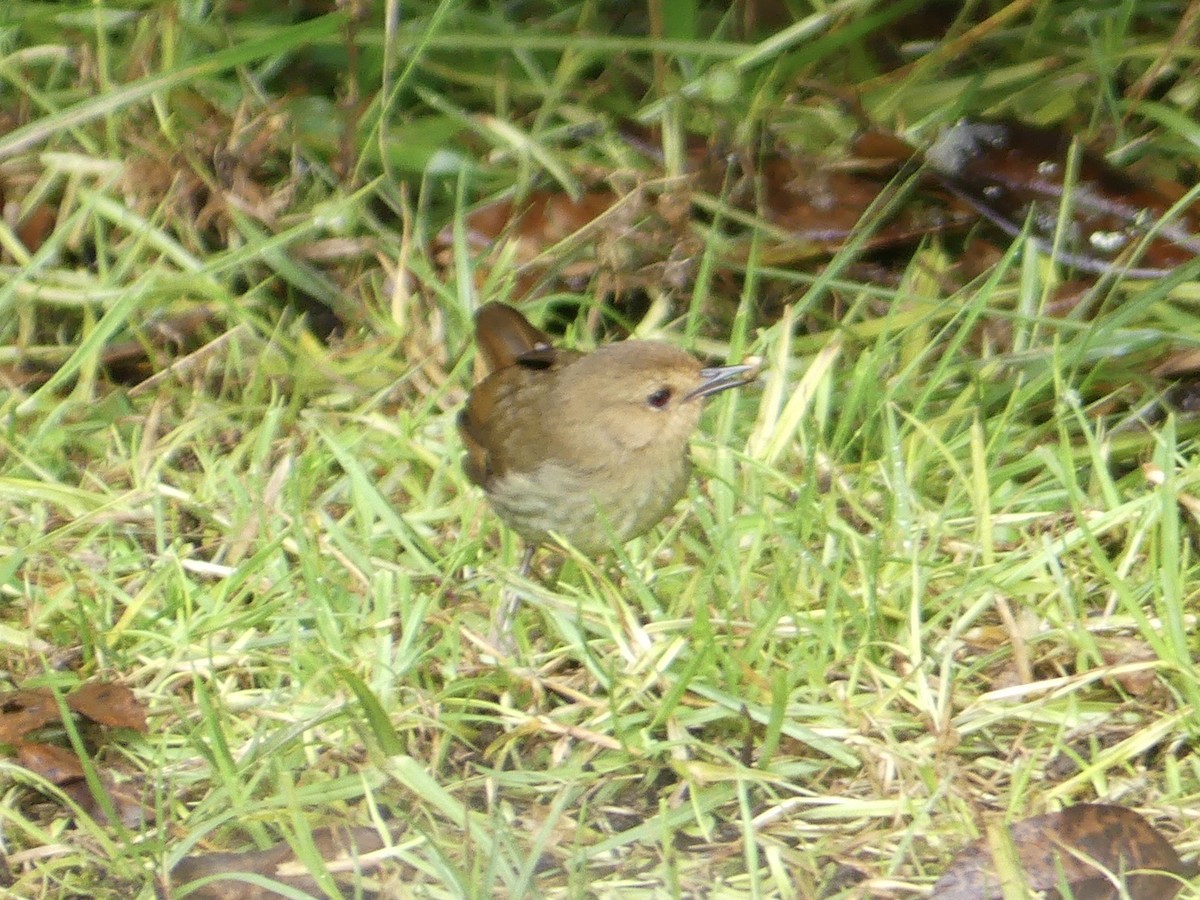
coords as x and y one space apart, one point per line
56 764
624 240
1129 651
124 799
109 704
341 848
24 711
883 147
822 206
1012 173
114 705
63 768
1180 361
539 222
35 226
1005 172
1092 848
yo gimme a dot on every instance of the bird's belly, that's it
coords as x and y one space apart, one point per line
590 509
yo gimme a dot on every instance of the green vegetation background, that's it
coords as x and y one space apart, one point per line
910 593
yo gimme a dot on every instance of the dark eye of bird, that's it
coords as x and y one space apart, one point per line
659 398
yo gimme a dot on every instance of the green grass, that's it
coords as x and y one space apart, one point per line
909 585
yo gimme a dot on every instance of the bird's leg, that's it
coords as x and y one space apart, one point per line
502 636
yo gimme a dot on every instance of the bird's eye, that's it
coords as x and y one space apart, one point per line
659 398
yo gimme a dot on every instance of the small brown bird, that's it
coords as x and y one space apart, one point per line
589 446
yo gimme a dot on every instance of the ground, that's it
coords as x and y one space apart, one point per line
937 570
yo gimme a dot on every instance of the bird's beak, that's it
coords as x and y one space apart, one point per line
722 378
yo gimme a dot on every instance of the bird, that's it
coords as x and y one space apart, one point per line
588 447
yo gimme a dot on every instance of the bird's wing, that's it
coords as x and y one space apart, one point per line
505 336
506 403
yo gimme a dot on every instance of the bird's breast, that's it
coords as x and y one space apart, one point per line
593 506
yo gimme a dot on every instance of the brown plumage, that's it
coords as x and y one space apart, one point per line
590 446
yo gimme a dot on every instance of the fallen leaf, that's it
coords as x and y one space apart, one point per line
1127 652
24 711
124 799
109 704
342 850
537 223
825 207
56 764
1091 848
1011 173
36 226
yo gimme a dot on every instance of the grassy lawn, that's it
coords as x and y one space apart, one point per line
937 570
